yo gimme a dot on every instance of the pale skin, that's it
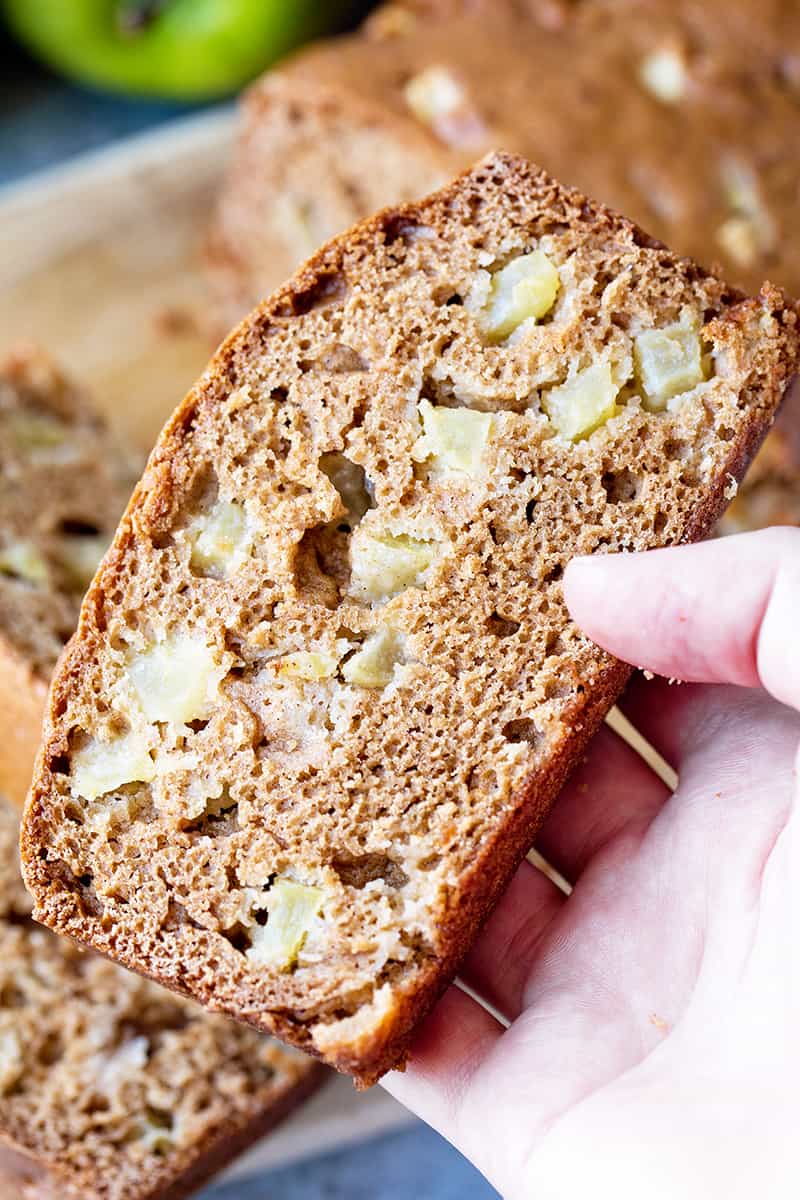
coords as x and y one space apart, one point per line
653 1049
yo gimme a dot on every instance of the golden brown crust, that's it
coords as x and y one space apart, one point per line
360 1019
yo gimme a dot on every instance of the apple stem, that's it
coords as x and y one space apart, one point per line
136 15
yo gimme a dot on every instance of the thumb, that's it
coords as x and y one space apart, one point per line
726 611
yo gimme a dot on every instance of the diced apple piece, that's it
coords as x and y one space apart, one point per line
524 289
221 539
36 431
663 73
307 664
437 99
291 909
101 767
350 482
454 438
739 238
384 566
584 403
373 665
668 362
433 94
177 679
22 560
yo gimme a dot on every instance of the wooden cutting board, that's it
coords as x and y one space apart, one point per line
101 262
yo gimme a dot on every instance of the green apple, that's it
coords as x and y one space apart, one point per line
173 49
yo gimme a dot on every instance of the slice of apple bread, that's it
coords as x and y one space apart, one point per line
325 686
64 483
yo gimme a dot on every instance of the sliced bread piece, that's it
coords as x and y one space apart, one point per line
325 686
110 1087
64 483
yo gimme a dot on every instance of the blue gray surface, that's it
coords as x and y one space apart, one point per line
43 122
412 1165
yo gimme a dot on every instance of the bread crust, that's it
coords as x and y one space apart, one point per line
384 1042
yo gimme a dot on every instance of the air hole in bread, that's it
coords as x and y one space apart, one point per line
523 729
221 823
322 565
676 449
357 870
502 627
340 359
401 228
238 936
621 487
75 527
51 1050
79 885
554 644
73 812
351 483
59 764
328 288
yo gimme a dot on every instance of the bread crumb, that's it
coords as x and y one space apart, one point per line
660 1023
731 488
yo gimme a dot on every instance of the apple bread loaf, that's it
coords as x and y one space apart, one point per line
325 686
110 1087
704 158
64 483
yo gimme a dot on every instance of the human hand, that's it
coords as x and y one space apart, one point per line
653 1048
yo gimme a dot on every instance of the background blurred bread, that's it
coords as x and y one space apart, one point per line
64 482
110 1087
682 115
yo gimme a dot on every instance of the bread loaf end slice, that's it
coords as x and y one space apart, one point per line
325 687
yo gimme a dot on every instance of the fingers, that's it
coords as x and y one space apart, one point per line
450 1047
611 793
500 962
722 612
667 714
